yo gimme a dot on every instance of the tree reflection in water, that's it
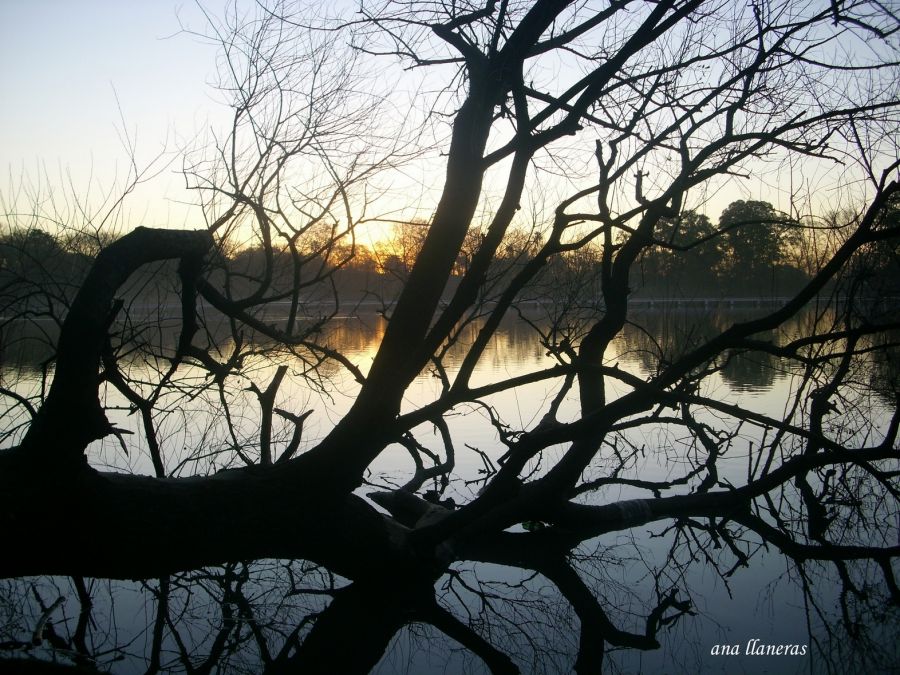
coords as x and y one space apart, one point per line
253 617
250 618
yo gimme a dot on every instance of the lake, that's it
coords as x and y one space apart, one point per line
233 619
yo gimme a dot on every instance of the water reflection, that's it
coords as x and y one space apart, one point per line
656 338
247 618
653 336
250 617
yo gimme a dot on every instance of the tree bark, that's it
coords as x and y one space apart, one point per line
135 527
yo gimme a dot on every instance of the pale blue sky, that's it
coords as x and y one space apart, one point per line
63 65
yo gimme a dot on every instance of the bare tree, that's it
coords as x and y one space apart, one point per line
635 109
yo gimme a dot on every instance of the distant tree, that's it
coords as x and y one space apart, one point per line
399 251
757 236
871 283
686 257
33 253
694 234
39 274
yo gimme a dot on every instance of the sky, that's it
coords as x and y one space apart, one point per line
75 74
79 78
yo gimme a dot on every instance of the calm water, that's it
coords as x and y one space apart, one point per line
526 615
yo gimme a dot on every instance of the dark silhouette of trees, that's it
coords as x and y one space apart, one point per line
757 236
688 261
758 243
640 105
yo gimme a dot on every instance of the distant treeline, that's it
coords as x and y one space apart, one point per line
753 251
